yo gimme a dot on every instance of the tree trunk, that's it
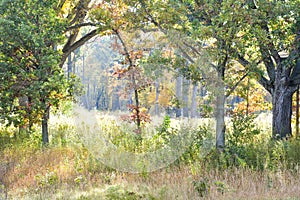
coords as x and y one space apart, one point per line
99 95
178 95
156 98
220 108
220 120
185 97
297 112
45 134
70 66
282 112
194 102
116 99
23 102
137 105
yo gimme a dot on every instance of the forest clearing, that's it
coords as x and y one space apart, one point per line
136 99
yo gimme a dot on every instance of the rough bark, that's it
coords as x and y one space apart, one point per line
281 86
282 110
137 105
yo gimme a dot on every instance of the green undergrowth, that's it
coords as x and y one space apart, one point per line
66 169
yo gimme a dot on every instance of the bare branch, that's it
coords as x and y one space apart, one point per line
266 84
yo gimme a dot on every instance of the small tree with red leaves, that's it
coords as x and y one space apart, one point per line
136 82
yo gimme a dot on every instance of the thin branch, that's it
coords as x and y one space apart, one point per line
124 46
82 25
145 30
193 48
268 62
266 84
185 54
243 61
235 85
151 19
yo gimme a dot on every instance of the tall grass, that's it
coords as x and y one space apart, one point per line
249 169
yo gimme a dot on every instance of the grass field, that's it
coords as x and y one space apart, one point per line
257 169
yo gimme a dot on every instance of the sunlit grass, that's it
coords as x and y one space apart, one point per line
67 170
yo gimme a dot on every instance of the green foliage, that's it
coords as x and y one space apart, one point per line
155 64
122 135
244 129
260 154
201 145
47 180
3 191
165 130
202 187
31 79
118 193
221 186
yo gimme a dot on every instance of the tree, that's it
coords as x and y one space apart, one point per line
270 43
29 62
261 36
42 38
78 27
201 36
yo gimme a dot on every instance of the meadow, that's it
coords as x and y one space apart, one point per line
253 166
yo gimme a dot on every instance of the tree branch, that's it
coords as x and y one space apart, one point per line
60 5
124 46
68 48
81 25
81 11
262 80
266 58
271 46
185 54
193 48
235 85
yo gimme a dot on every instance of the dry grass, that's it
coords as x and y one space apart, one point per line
237 184
170 183
70 172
